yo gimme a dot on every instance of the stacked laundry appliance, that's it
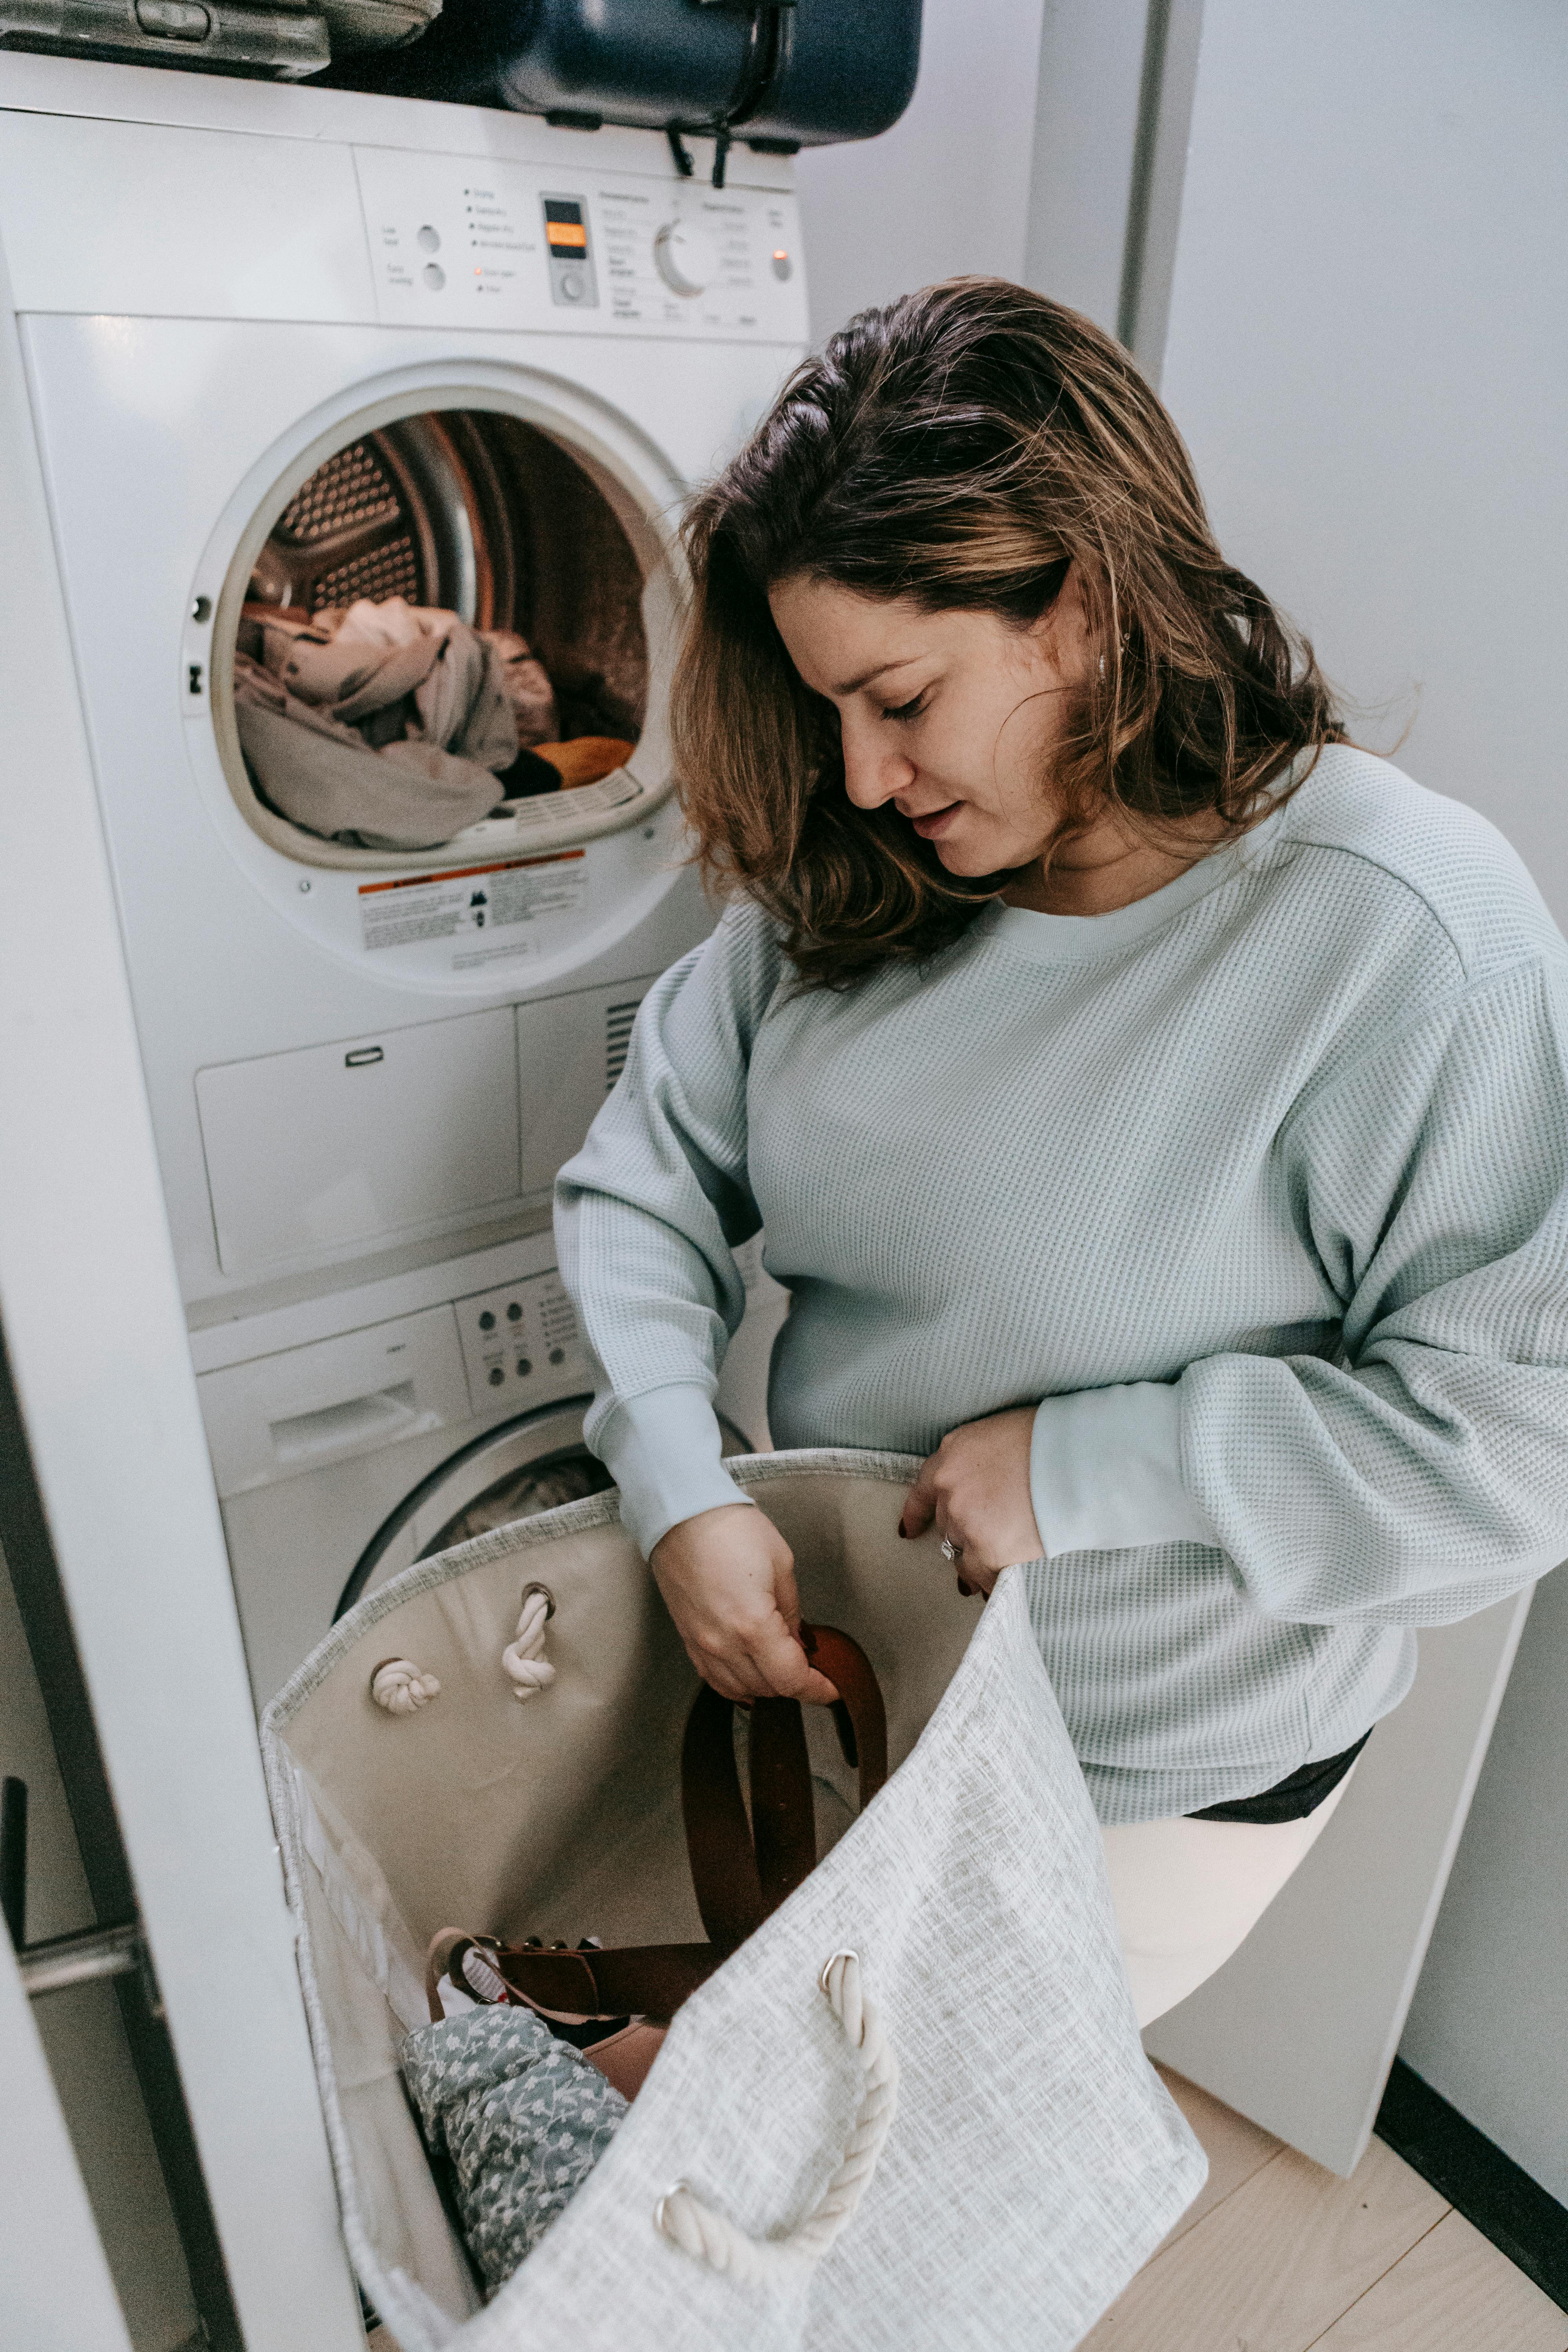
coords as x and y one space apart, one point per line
366 426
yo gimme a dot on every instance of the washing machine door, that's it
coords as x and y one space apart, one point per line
523 1467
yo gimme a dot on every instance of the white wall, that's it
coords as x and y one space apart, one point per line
1085 131
946 190
1367 350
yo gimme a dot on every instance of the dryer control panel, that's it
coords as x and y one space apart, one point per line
459 242
563 235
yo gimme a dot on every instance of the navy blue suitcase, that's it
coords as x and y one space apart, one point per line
779 75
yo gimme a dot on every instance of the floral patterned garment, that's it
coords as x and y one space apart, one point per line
524 2117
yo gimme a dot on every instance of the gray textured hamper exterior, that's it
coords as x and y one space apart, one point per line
1035 2160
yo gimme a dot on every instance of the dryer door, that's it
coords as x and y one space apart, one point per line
427 681
438 643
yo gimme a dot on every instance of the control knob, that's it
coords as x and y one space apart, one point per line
687 258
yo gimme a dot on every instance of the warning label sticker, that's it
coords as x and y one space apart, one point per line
470 903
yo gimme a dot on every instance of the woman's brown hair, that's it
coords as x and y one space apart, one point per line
965 447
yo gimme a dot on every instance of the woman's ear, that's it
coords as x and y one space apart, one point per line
1063 632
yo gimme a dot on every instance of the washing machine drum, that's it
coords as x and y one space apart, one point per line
525 1466
523 1494
445 620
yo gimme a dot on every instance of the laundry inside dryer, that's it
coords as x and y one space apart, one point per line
445 620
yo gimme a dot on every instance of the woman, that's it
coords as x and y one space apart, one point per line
1155 1106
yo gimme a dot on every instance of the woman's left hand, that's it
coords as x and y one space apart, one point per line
976 1487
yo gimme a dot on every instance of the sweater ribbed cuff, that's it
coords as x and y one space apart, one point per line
1105 1471
662 1449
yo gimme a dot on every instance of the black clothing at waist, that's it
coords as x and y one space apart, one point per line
1290 1799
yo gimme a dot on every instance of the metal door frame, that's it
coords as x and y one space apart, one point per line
102 1365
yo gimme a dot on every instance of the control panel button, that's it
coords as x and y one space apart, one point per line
686 256
572 286
487 1321
435 277
429 239
514 1313
784 268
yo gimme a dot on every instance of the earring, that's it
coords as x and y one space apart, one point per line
1103 666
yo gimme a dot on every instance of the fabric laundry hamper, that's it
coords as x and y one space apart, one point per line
1033 2160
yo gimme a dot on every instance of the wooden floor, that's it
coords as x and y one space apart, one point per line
1278 2256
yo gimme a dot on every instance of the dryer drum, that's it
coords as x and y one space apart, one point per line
366 718
484 516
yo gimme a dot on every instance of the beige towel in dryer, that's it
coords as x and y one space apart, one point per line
383 724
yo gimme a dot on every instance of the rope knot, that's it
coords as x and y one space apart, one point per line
398 1686
528 1668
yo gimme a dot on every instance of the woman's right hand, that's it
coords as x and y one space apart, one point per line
728 1581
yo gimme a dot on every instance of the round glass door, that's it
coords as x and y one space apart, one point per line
443 623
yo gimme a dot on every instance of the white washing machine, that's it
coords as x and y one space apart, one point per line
289 348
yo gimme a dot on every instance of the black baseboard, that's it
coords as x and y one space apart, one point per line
1490 2190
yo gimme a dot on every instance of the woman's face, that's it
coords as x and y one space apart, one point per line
952 716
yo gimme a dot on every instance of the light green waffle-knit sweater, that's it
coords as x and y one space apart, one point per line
1255 1187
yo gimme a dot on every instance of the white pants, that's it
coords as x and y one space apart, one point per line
1187 1894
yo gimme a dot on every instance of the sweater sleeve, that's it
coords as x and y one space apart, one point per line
647 1217
1424 1473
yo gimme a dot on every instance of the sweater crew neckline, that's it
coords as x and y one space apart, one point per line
1085 938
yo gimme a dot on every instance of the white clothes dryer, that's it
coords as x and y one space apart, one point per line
288 349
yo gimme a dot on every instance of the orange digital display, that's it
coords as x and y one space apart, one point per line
565 229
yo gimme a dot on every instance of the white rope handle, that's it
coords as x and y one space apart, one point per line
698 2230
398 1686
523 1657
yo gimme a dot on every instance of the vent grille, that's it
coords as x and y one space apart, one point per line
350 489
619 1020
392 570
